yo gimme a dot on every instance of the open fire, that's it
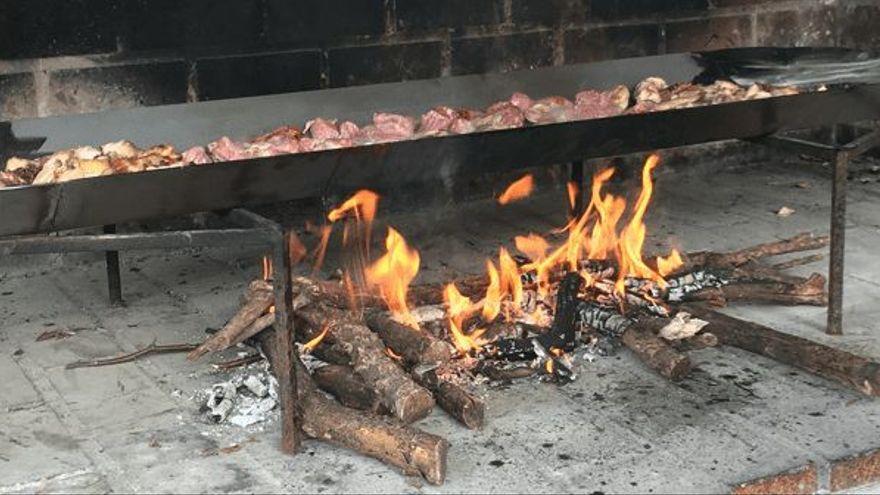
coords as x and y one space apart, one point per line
605 251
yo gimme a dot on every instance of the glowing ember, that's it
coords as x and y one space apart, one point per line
393 355
518 190
458 309
313 343
392 273
668 264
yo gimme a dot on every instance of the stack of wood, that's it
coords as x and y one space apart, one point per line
385 375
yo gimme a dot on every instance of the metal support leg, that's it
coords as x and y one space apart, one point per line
114 279
576 177
838 233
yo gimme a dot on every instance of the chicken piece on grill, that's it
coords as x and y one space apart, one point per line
394 125
592 104
551 110
521 101
120 149
348 130
437 121
322 129
287 131
21 171
649 90
501 115
197 155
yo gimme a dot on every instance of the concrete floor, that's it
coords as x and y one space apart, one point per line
618 428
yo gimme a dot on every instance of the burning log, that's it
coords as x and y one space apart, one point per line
415 346
411 450
853 371
343 383
406 400
640 336
247 322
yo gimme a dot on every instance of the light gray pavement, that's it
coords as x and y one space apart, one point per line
618 428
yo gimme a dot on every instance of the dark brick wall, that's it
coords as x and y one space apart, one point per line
84 55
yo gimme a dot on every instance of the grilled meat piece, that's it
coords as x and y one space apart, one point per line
322 129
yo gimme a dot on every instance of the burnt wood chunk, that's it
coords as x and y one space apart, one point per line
834 364
562 331
453 398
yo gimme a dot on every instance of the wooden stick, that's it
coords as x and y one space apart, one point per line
236 363
257 302
642 339
411 450
805 260
416 346
811 291
127 358
853 371
404 398
455 399
699 341
348 388
423 352
802 242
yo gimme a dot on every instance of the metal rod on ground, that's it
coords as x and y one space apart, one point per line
838 233
114 279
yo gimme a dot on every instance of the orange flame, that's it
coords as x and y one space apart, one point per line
298 251
511 282
518 190
321 250
267 268
633 236
494 293
392 273
363 205
458 309
311 344
533 246
668 264
573 190
609 209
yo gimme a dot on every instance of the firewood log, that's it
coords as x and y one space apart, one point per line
811 291
641 338
801 242
404 398
243 324
834 364
453 398
415 346
350 389
411 450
